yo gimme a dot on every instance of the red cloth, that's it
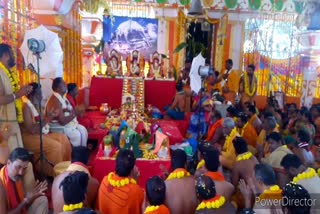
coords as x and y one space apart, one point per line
171 129
92 120
159 93
147 168
109 90
105 90
72 101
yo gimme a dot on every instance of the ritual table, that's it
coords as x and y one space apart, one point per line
92 120
158 93
148 168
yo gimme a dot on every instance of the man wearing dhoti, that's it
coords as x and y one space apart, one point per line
66 121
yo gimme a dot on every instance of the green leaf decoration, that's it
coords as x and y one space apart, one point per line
277 4
299 6
185 2
161 1
180 47
254 4
231 3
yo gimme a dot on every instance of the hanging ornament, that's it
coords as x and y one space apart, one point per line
185 2
254 4
231 3
277 4
299 6
161 1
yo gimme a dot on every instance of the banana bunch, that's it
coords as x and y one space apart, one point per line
149 155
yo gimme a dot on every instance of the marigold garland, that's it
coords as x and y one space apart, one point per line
230 138
214 203
178 173
121 182
72 207
305 175
319 172
15 87
151 209
200 164
244 156
274 192
249 89
243 128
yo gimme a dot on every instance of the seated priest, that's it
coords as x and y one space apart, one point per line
66 121
56 146
177 108
119 191
13 197
72 95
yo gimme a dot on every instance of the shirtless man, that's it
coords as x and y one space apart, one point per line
212 164
243 167
177 108
180 192
80 156
206 192
66 119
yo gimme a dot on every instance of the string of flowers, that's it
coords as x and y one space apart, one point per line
120 182
244 156
151 209
250 88
179 174
305 175
72 207
15 86
214 203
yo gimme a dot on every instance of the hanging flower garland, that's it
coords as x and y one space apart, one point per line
244 156
15 86
249 88
120 182
305 175
214 203
274 192
230 137
200 164
72 207
178 174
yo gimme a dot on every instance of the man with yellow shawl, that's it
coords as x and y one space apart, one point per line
228 154
248 85
13 197
228 82
246 130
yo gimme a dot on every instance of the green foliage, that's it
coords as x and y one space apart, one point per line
180 47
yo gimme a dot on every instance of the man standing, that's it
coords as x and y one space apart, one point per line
10 94
229 82
13 197
248 85
66 119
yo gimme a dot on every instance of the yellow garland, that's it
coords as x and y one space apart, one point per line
247 85
200 164
285 146
15 87
72 207
305 175
243 128
151 209
272 189
178 174
230 137
215 204
120 183
244 156
319 172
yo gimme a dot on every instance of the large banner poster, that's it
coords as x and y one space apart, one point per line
126 34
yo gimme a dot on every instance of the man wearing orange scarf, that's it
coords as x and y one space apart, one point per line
13 197
246 130
254 119
119 191
212 164
215 134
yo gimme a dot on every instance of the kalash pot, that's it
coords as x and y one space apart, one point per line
104 108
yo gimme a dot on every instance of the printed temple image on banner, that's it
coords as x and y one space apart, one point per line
126 34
